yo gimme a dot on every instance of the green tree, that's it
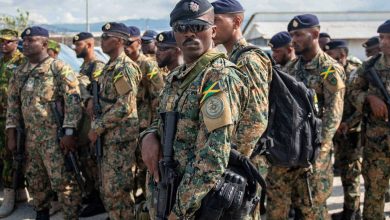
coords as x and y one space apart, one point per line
18 22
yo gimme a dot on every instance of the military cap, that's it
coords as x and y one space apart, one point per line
188 10
54 45
133 31
384 28
8 34
303 21
82 36
279 40
371 42
166 38
149 35
118 29
227 6
35 31
334 44
324 34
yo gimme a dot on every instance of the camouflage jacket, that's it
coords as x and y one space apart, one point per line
7 68
152 81
209 97
257 69
118 89
326 77
32 89
85 77
350 115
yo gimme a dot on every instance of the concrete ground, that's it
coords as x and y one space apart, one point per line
335 204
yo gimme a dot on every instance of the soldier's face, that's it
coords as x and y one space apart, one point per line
81 49
323 41
224 28
52 53
339 55
110 43
34 45
280 55
165 55
148 47
194 41
132 47
302 41
372 51
384 43
8 46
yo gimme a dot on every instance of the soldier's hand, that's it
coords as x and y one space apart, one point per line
68 143
93 136
89 108
378 107
343 128
11 139
151 154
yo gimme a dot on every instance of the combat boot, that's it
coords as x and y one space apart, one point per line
22 195
43 215
8 203
347 214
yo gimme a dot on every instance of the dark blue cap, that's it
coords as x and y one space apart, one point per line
324 34
227 6
149 35
82 36
334 44
35 31
371 42
279 40
187 10
384 28
166 38
133 31
114 27
303 21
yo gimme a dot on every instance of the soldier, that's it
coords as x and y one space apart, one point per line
118 124
323 40
34 87
168 54
209 96
53 49
282 49
11 59
376 162
148 43
371 46
346 140
321 73
90 70
229 15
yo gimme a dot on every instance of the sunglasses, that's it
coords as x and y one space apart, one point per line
193 28
162 49
105 36
3 41
129 42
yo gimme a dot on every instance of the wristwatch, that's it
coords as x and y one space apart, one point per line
69 131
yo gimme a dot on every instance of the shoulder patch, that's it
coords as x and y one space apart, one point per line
210 90
328 74
69 76
153 73
332 79
216 112
122 86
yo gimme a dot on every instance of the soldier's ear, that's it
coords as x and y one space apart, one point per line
237 21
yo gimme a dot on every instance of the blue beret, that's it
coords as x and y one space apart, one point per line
149 35
115 27
187 10
303 21
227 6
133 31
385 27
82 36
323 34
35 31
279 40
371 42
334 44
166 38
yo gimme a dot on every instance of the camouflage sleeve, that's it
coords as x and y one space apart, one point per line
125 81
255 117
334 89
70 91
359 91
220 110
14 113
156 82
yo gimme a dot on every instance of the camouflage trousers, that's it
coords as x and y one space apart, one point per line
347 154
45 174
118 180
139 175
262 165
376 174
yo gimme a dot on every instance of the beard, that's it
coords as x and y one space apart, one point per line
83 53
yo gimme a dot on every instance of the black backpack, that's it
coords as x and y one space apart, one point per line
293 134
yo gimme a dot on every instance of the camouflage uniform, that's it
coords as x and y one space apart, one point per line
203 138
325 76
7 67
86 154
118 126
31 91
347 147
376 154
258 71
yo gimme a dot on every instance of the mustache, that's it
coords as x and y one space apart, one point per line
188 40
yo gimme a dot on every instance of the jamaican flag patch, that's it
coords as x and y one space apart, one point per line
210 90
328 74
153 73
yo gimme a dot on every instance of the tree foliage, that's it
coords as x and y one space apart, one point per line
18 22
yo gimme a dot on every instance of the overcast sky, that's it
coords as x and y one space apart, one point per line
73 11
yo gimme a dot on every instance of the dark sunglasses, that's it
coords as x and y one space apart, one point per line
129 42
194 28
3 41
105 36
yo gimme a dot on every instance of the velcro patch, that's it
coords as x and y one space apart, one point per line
216 112
121 84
